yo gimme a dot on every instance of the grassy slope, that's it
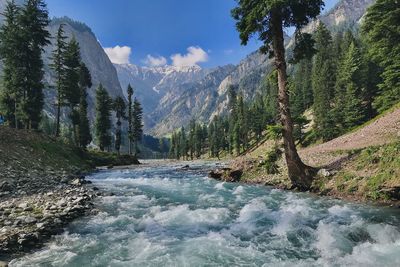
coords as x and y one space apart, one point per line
22 150
369 171
30 150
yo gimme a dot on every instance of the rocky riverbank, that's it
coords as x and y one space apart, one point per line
369 175
29 218
42 189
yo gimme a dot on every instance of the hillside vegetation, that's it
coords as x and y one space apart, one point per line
363 164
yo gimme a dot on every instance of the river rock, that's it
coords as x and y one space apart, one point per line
226 174
324 173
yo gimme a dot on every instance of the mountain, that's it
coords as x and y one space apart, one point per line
173 102
152 84
93 55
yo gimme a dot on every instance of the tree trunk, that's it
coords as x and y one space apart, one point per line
300 174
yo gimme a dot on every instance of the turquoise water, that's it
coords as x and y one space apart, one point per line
163 216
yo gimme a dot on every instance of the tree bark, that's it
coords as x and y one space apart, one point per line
300 174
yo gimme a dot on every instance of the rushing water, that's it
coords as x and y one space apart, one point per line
164 216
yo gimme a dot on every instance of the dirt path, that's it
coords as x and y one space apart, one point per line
381 131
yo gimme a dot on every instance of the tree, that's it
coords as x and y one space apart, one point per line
381 32
85 82
352 79
267 18
72 88
119 108
137 124
58 67
23 37
103 122
10 45
162 146
130 121
33 21
323 83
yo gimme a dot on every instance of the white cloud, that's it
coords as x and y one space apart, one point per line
118 54
155 61
195 55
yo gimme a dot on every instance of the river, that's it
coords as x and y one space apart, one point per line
166 216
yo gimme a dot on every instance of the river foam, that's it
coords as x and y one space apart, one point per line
169 217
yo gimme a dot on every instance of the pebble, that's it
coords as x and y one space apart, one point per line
29 219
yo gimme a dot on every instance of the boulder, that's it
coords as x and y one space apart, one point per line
226 174
324 173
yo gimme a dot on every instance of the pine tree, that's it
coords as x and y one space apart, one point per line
192 139
183 143
58 67
130 121
33 21
72 88
162 146
119 108
323 83
200 140
172 152
10 45
23 37
267 19
85 82
352 80
381 32
232 97
103 121
137 124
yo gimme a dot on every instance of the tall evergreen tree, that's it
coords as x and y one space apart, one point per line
323 83
267 19
33 21
10 45
72 88
58 67
381 31
137 124
85 82
120 110
130 120
352 78
103 121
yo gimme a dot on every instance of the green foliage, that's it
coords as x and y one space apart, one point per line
58 67
85 82
103 121
99 158
22 39
137 124
259 17
130 121
274 132
381 32
271 159
78 26
323 81
119 108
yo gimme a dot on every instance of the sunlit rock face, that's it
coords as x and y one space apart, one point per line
93 55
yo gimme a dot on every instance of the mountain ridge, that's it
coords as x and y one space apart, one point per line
247 75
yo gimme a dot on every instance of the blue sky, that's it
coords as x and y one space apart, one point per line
155 32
